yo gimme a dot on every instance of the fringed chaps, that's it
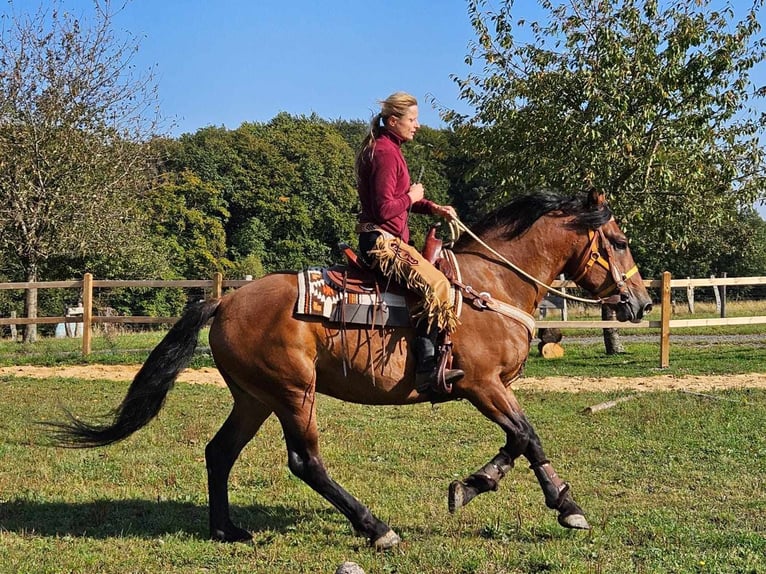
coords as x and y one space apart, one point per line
406 265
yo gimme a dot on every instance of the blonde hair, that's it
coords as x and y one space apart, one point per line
396 105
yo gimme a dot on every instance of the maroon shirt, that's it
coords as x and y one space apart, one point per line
384 181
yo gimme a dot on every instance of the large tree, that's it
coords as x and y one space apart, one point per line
650 101
74 118
287 184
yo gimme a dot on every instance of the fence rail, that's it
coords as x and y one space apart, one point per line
217 284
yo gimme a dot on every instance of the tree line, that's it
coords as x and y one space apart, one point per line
652 103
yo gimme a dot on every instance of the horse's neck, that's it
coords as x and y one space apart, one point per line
534 252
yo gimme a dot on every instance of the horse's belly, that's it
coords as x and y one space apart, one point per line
363 367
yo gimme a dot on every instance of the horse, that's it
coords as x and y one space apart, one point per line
275 362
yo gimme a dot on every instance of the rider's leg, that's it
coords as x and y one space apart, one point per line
367 242
428 359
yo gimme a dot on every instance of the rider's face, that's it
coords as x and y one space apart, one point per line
407 125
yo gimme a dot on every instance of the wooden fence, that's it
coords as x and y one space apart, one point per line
216 285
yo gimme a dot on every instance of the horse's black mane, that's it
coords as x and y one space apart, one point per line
514 218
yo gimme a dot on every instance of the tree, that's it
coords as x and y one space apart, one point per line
287 184
651 102
188 217
74 119
302 190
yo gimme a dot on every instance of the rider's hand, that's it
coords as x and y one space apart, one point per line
416 192
446 211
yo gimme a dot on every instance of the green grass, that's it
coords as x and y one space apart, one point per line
670 482
643 359
121 349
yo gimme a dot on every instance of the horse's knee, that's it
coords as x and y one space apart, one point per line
518 437
296 464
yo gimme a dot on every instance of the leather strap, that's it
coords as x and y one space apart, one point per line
592 256
483 300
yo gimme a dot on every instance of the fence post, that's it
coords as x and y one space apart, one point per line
665 313
717 294
14 334
87 313
690 296
722 289
564 310
217 285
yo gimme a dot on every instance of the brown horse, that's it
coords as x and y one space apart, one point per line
275 363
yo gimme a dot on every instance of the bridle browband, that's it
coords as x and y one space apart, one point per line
592 255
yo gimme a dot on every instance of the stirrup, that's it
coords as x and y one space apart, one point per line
438 381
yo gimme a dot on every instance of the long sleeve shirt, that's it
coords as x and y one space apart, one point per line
384 181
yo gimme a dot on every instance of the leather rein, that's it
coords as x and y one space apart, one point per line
615 293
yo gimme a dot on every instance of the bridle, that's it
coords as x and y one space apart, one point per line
618 291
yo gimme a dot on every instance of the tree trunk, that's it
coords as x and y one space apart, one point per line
611 336
30 306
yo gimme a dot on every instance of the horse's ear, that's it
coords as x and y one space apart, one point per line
596 198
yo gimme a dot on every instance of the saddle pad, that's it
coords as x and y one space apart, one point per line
316 297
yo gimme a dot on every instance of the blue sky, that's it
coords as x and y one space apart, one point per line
224 62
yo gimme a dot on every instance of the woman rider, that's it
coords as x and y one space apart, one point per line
387 196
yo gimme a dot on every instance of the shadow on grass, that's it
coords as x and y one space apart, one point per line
142 518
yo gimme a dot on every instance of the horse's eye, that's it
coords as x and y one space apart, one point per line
620 243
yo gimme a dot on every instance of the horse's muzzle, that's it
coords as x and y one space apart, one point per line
628 307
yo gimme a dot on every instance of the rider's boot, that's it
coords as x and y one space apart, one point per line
431 374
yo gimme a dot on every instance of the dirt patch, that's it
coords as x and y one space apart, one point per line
560 384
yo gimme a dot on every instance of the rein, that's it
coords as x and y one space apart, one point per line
590 256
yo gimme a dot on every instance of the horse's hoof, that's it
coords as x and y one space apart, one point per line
576 521
233 534
387 541
457 496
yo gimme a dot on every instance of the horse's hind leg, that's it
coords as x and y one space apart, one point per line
222 451
501 407
304 461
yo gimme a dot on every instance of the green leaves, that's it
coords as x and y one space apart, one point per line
187 218
648 102
71 137
287 187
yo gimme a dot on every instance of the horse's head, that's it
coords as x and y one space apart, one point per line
546 234
605 267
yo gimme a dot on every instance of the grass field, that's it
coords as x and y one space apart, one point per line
671 482
664 492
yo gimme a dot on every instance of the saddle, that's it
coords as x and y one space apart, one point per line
355 294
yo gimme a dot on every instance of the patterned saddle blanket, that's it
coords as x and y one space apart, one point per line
348 297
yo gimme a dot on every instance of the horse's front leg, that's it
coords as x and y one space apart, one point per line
500 405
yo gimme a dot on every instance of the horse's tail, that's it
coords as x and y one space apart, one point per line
149 388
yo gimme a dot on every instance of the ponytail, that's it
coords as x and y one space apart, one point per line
368 143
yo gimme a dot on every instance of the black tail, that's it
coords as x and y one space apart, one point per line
149 388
